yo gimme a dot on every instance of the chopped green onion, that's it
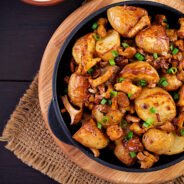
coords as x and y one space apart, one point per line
97 37
121 79
167 26
171 47
130 135
155 55
132 154
172 70
152 110
176 96
90 71
115 53
163 82
112 62
99 125
148 122
139 56
129 95
104 120
103 101
113 93
123 123
175 51
182 132
94 26
142 83
165 20
125 45
110 102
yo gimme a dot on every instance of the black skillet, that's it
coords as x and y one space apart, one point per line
59 123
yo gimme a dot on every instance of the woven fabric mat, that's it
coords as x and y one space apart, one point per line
28 138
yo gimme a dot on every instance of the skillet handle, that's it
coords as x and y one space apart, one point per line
55 125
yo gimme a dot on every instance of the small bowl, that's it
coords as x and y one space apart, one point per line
58 122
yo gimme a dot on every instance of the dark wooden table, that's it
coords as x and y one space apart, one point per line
24 33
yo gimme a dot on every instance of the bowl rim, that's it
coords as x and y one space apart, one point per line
55 96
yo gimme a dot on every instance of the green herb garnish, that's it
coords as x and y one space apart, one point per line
171 47
97 37
175 51
123 123
155 55
176 96
121 79
90 71
112 62
94 26
139 56
142 83
130 135
103 101
110 102
182 132
113 93
148 122
99 125
172 70
115 53
129 95
152 110
163 82
125 45
132 154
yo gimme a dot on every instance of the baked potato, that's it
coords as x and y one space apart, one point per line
90 136
140 71
158 99
78 89
128 20
158 141
153 40
106 45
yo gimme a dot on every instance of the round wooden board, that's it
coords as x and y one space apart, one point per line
45 95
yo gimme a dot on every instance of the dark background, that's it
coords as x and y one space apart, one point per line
24 33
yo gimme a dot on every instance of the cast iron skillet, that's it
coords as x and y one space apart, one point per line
60 123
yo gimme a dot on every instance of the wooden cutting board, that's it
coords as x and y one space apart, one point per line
45 95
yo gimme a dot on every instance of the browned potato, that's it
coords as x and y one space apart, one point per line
173 82
158 99
181 30
106 45
78 89
128 20
181 97
153 40
127 87
114 132
122 153
158 141
84 47
146 159
140 70
75 114
177 146
90 136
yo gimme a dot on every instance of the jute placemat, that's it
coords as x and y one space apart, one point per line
28 138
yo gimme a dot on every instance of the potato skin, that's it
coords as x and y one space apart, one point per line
173 82
153 40
127 20
158 141
77 89
107 44
140 70
159 99
90 136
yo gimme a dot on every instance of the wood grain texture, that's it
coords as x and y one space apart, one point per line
45 95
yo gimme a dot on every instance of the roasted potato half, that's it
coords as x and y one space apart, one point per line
153 40
158 141
159 100
78 89
90 136
107 44
140 70
128 20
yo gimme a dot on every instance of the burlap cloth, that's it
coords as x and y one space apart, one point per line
28 138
